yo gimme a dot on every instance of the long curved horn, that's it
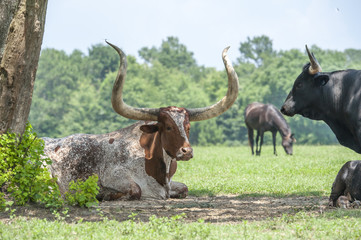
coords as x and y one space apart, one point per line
119 106
199 114
315 66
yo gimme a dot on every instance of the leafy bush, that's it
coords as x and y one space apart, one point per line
2 201
23 169
83 193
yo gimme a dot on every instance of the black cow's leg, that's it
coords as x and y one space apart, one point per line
250 138
358 133
339 185
274 142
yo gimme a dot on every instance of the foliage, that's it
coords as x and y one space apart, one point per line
83 193
2 201
24 170
256 50
72 92
24 173
171 54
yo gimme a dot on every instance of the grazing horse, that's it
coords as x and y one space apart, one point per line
263 118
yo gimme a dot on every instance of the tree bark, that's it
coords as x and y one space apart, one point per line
21 34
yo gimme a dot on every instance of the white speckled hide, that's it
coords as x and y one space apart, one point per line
116 157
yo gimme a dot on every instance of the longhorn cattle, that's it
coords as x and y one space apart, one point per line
334 97
137 161
346 188
263 118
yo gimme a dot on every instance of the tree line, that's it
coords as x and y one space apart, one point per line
72 91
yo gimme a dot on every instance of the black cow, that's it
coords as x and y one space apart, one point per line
334 97
347 186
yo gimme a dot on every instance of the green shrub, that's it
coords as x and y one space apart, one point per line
23 168
83 193
2 201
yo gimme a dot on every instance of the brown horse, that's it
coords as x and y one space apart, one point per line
263 118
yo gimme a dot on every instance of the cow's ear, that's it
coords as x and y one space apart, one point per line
321 79
149 128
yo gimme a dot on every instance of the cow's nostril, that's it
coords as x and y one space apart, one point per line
184 153
282 110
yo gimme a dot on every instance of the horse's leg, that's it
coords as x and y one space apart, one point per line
250 138
257 139
274 142
260 144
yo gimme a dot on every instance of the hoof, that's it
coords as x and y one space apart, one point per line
178 190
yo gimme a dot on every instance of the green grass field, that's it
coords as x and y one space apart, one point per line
229 170
223 170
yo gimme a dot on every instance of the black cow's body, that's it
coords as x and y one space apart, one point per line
344 115
347 183
334 97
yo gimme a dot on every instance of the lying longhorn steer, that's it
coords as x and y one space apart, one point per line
346 189
140 160
334 97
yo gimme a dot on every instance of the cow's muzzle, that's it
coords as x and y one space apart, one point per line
184 153
287 111
288 107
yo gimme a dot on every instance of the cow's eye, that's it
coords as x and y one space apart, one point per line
169 128
299 85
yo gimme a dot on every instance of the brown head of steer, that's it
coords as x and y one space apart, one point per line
137 161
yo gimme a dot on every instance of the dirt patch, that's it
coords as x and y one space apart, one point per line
218 209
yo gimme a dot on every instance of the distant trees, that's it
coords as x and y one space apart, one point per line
256 50
171 54
72 92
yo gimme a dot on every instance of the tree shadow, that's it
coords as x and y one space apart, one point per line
212 193
312 202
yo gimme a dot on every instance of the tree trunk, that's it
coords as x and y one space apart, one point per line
21 34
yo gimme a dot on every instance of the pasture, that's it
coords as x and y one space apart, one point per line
232 195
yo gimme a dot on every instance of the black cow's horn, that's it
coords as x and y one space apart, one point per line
199 114
315 66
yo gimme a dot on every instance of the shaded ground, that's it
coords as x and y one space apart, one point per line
218 209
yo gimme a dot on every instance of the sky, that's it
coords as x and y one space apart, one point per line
205 27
